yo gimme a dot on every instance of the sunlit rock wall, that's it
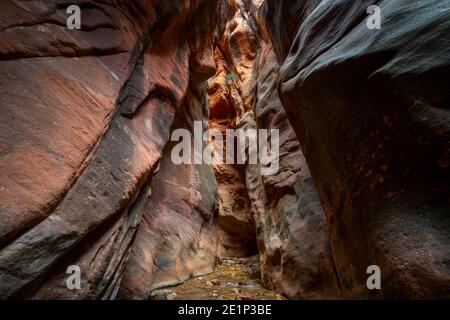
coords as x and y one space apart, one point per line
85 117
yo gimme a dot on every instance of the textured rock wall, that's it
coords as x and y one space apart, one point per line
370 108
177 237
85 117
291 227
231 95
293 233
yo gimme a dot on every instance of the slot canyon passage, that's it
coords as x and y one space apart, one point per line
87 178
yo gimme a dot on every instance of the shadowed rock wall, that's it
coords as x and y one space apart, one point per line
291 227
293 233
370 108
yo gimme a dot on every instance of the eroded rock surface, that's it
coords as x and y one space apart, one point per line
177 237
291 227
85 117
370 108
293 233
231 95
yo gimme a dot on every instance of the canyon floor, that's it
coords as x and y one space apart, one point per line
234 279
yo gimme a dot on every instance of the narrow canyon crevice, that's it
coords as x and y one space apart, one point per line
285 210
90 123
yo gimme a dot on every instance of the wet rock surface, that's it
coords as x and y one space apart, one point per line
234 279
293 234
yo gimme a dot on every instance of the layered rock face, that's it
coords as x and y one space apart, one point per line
177 237
293 235
291 227
370 108
85 117
231 95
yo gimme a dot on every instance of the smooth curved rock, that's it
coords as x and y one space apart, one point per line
93 109
370 108
293 233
